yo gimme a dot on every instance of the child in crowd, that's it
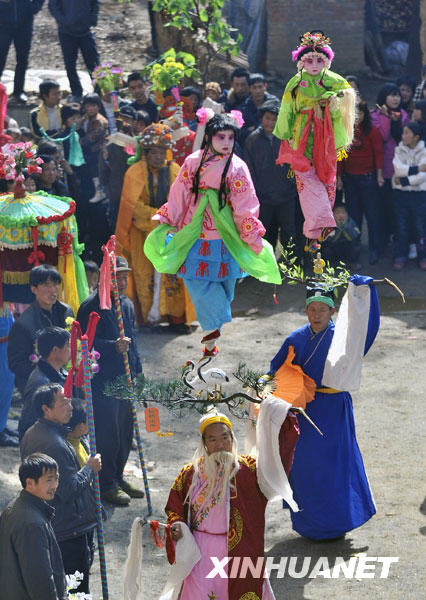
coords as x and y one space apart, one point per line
30 182
65 173
48 179
345 245
72 162
92 274
95 128
79 429
360 174
127 116
409 188
142 121
48 114
389 118
276 192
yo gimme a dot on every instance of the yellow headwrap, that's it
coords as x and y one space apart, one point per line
216 418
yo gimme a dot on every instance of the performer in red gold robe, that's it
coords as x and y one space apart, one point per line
218 502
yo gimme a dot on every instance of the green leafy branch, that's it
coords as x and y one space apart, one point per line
293 273
204 19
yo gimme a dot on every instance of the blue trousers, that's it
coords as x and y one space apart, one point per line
70 45
7 378
21 36
410 211
212 301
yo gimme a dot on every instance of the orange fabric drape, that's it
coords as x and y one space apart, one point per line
293 385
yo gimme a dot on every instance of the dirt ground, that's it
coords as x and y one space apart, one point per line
122 36
390 420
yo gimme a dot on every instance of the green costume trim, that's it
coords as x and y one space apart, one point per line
19 215
291 120
79 270
168 259
76 157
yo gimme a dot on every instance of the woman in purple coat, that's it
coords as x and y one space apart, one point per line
389 118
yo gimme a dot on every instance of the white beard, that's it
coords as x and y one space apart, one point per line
219 464
211 465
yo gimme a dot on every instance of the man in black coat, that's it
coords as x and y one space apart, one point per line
75 514
45 311
54 348
16 19
74 21
113 417
31 564
276 192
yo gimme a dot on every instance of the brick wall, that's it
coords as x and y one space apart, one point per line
341 20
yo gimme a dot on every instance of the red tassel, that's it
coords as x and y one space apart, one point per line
155 531
274 296
170 545
90 335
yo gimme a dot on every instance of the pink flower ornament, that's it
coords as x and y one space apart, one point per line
204 115
238 117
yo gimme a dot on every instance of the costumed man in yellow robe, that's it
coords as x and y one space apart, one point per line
145 189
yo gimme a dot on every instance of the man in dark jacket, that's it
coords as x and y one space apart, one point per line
54 347
45 311
75 516
251 105
113 418
31 564
276 192
74 21
239 89
16 20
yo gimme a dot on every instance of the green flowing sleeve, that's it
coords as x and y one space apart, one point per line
287 115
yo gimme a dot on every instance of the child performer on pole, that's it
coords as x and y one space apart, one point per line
210 233
315 125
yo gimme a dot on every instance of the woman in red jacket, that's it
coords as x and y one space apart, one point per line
361 174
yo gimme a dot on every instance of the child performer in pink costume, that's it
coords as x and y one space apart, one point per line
315 125
211 235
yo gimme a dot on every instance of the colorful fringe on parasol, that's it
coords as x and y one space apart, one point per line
39 228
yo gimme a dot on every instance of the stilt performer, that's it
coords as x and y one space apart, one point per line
108 284
82 379
210 233
315 124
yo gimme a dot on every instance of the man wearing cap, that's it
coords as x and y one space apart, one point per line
146 188
328 476
113 417
216 506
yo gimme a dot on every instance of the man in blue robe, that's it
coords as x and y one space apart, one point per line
328 477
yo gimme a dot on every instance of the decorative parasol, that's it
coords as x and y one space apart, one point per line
36 228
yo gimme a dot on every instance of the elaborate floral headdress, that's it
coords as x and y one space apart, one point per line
157 135
205 114
314 41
